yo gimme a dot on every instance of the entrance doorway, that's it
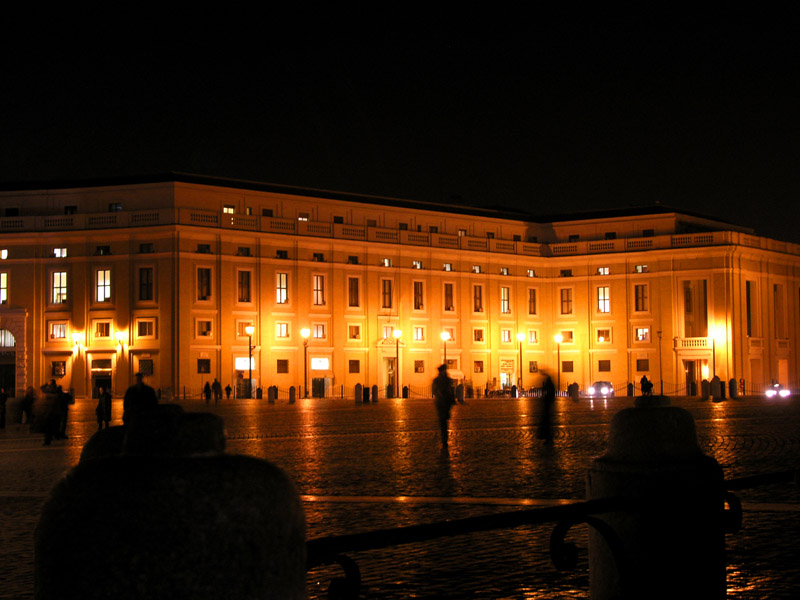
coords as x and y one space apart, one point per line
691 370
7 377
101 380
391 376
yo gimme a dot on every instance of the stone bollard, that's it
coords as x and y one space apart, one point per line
374 393
292 395
359 393
672 539
271 394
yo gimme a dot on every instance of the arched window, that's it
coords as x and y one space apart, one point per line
7 339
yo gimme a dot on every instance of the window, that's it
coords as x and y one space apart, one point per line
462 232
531 272
60 252
603 336
448 297
146 366
354 332
417 264
448 266
59 287
145 328
648 232
204 328
419 333
281 288
477 366
505 335
372 223
533 366
477 335
244 286
604 365
203 283
603 299
477 298
282 365
641 303
281 330
642 364
4 253
58 330
386 293
566 366
102 329
419 295
476 268
204 365
146 248
574 237
531 301
566 301
352 260
103 287
204 248
318 257
433 229
640 269
610 235
353 366
386 262
228 209
319 331
241 328
3 288
419 366
303 216
566 272
114 206
642 334
567 336
266 212
282 254
603 270
352 292
146 283
490 235
243 251
387 332
58 368
503 270
338 220
533 336
505 300
451 332
402 226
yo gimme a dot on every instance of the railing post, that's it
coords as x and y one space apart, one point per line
673 545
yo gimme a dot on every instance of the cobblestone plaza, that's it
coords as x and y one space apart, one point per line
361 467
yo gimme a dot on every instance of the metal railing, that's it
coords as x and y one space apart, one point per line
336 549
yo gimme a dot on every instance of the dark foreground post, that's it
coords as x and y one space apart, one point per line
672 541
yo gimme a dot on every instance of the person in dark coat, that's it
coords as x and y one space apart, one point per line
48 412
444 398
103 409
545 429
216 387
139 398
207 392
228 390
64 401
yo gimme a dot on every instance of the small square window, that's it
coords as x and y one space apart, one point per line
448 266
642 364
115 207
602 270
146 248
476 268
574 238
386 262
319 331
282 330
419 333
477 335
566 272
266 212
145 328
604 366
228 209
204 248
354 366
318 257
417 264
243 251
419 366
505 335
533 366
282 254
60 252
58 368
477 366
58 330
204 365
642 334
303 216
603 336
503 270
648 233
531 272
352 260
102 329
282 365
566 366
354 332
610 235
204 328
567 337
3 253
102 250
640 269
533 336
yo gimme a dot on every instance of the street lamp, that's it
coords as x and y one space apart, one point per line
397 333
445 335
249 331
305 332
521 338
660 372
559 338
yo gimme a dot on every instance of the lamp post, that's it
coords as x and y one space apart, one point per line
397 333
249 330
713 355
660 372
305 332
520 338
558 338
445 335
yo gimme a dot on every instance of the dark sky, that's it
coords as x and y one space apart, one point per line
551 117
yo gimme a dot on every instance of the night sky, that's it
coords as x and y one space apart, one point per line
551 117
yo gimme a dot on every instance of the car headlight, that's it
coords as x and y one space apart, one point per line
784 393
603 390
770 393
591 390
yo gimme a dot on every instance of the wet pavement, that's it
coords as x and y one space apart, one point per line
363 467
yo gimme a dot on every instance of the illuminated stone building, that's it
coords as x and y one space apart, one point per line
164 275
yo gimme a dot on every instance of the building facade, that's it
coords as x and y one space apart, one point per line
167 276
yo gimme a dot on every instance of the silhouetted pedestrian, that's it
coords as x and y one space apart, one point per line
3 400
65 399
103 409
647 387
545 429
139 398
444 398
207 392
216 387
27 407
228 390
47 411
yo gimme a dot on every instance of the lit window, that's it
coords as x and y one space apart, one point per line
503 270
387 331
354 332
417 264
318 257
462 232
603 299
419 295
505 335
103 287
641 303
3 253
59 287
603 335
566 301
602 270
102 329
145 328
58 330
60 252
505 300
476 268
477 366
319 290
449 304
531 273
354 366
204 328
319 331
281 288
352 292
386 262
567 337
419 334
477 335
477 298
303 216
642 334
228 209
451 332
241 328
3 288
282 330
640 269
448 266
533 336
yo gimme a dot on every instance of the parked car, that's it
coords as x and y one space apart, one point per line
600 389
776 390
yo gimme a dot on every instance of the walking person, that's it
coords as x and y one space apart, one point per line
545 429
216 387
444 398
207 392
228 390
103 409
